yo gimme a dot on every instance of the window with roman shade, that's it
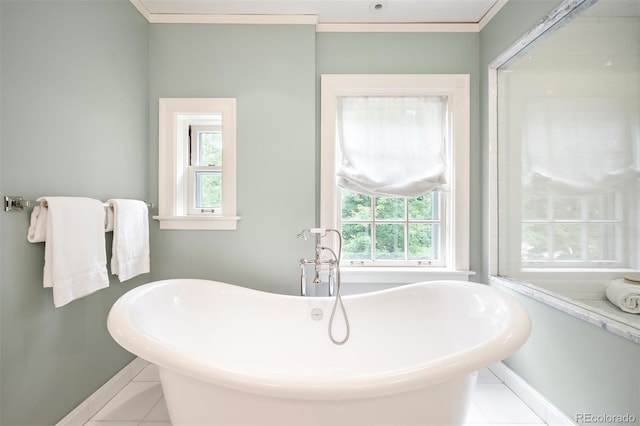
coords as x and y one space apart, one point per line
395 174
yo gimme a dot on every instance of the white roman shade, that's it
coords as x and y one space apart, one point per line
579 145
392 145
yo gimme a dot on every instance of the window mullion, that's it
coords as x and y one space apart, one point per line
373 228
406 229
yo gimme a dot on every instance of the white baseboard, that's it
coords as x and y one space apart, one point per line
87 409
548 412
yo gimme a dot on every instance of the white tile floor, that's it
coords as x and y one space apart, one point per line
141 403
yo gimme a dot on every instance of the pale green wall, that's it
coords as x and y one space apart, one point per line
579 367
270 70
95 67
74 122
263 66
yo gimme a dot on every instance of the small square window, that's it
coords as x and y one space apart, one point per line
197 164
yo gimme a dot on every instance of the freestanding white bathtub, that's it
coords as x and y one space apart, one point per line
229 355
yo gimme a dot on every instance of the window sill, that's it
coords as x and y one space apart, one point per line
604 270
399 275
570 274
211 223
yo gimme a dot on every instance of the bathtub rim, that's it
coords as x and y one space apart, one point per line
412 378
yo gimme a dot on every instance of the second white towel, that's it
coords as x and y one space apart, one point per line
130 252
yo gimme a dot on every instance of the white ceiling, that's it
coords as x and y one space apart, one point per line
335 11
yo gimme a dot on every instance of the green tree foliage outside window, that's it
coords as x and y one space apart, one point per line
403 228
209 184
210 187
210 149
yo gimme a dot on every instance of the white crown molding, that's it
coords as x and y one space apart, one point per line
491 13
143 10
166 18
399 28
162 18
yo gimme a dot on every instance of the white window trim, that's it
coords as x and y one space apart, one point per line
173 151
454 86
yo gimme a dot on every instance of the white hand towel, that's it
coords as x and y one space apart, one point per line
624 295
108 219
37 232
130 252
75 259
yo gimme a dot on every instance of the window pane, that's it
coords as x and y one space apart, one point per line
424 207
356 241
535 242
602 241
389 208
390 241
355 206
567 208
535 205
209 149
423 239
567 241
208 189
602 207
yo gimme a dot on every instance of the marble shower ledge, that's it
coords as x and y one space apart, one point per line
577 309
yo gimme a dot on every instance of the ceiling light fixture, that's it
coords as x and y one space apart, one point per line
377 6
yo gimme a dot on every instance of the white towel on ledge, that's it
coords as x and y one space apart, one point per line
75 259
130 251
624 295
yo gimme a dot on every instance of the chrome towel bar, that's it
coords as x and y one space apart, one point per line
18 203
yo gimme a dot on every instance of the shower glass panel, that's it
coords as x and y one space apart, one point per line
569 153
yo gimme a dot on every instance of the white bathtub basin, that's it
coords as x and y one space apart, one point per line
232 355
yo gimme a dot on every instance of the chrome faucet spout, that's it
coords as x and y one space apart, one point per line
333 262
334 275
